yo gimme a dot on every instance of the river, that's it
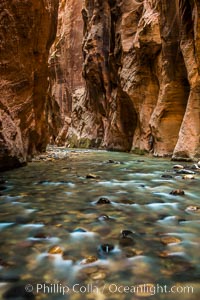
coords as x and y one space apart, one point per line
99 225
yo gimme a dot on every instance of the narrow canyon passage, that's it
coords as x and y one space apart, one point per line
99 149
97 222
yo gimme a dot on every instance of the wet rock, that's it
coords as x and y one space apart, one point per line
166 176
163 254
185 171
198 164
193 208
92 176
181 220
104 218
178 167
89 260
18 292
195 167
55 250
106 248
132 252
41 235
169 240
111 161
126 241
188 176
80 230
103 200
127 233
177 192
98 276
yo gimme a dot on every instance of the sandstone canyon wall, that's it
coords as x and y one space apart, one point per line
123 75
65 63
27 30
141 70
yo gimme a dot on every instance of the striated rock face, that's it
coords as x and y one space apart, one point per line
65 64
27 30
141 70
123 75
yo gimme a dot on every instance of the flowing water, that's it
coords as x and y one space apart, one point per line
53 203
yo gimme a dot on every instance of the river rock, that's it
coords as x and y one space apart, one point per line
195 167
178 167
188 176
130 252
166 176
106 248
177 192
126 241
89 260
104 218
185 171
55 250
98 276
80 230
198 164
126 233
103 200
169 240
92 176
193 208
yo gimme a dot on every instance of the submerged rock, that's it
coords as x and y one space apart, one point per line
193 208
169 240
89 260
130 252
92 176
185 171
41 235
80 230
55 250
166 176
177 192
127 233
98 275
106 248
126 241
104 218
103 200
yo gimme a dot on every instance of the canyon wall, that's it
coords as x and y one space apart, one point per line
141 72
65 63
121 75
27 30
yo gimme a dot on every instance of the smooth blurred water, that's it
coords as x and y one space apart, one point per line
45 202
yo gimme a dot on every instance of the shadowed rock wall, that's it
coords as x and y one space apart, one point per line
27 30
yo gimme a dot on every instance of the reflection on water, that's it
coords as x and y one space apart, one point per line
54 204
